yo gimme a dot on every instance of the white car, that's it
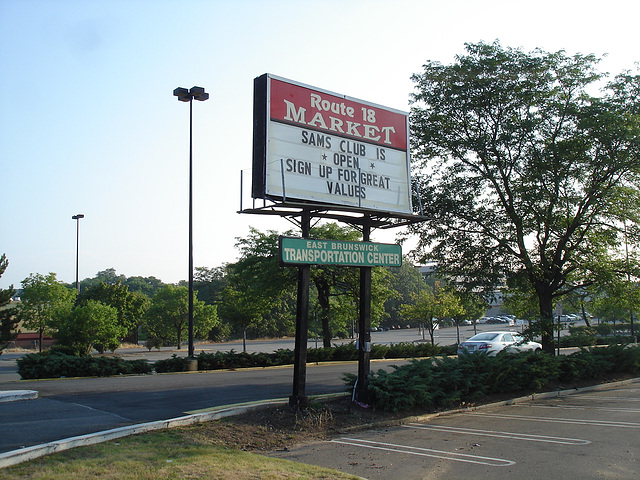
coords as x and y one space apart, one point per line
493 342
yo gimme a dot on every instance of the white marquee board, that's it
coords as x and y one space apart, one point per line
317 146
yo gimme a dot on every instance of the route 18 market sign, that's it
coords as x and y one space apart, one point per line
322 147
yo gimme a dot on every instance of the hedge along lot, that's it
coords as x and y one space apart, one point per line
441 383
57 365
53 364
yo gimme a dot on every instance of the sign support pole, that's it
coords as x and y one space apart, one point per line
364 325
299 395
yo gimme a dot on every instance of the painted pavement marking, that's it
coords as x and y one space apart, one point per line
510 435
425 452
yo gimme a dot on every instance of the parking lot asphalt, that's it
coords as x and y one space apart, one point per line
590 434
77 406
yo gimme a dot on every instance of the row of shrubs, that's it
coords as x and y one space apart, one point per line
56 364
338 353
447 382
586 340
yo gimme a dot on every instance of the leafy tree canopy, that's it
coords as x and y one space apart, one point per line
44 301
88 326
168 315
255 285
147 285
405 281
429 307
130 306
5 294
522 170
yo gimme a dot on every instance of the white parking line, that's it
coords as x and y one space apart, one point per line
491 433
560 420
621 399
585 407
425 452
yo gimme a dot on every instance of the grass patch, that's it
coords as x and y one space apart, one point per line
171 454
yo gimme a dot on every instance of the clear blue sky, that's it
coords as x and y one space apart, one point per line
88 123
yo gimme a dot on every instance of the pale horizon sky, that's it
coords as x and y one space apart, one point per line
88 122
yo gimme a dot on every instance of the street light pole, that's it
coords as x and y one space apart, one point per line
77 219
185 95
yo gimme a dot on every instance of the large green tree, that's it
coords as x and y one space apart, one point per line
130 306
259 291
522 169
256 285
149 286
244 309
90 325
209 283
167 317
108 276
43 302
430 306
405 281
146 285
473 307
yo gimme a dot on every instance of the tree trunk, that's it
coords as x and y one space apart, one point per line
323 299
432 328
584 316
545 300
244 340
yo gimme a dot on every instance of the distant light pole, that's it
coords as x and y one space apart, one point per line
77 219
185 95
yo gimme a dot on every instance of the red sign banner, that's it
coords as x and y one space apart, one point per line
314 109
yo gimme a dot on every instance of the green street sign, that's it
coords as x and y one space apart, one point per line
306 251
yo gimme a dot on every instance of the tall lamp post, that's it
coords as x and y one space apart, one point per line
185 95
77 219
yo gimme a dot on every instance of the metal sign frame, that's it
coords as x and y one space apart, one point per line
356 210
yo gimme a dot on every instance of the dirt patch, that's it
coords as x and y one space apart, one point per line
280 427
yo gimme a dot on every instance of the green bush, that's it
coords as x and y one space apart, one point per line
578 340
380 351
428 384
516 372
56 364
345 352
581 330
64 364
232 359
283 356
173 364
443 382
323 354
615 340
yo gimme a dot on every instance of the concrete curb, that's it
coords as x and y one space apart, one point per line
15 395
